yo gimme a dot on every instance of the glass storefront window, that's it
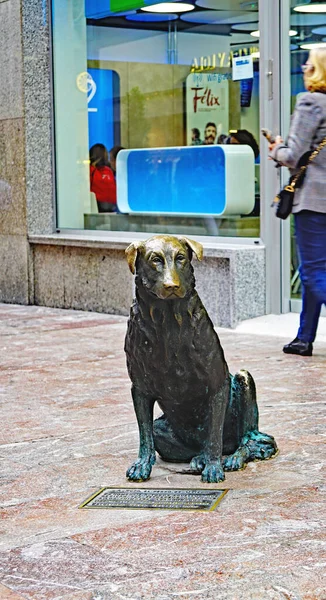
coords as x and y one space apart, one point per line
169 105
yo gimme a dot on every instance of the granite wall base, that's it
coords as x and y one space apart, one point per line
231 286
81 278
14 252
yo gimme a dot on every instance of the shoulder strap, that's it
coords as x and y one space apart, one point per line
312 156
317 150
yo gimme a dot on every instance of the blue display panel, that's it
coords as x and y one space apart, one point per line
187 180
103 107
196 180
95 9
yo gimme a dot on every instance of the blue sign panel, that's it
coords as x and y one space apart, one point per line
96 9
196 180
103 107
188 180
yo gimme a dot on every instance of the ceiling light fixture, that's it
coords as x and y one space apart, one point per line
319 7
249 5
313 45
292 32
167 7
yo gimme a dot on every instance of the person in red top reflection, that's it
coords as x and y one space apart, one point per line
102 180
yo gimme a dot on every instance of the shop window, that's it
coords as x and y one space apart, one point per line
175 97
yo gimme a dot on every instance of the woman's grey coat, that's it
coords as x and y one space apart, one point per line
308 128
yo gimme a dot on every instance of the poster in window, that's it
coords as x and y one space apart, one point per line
207 107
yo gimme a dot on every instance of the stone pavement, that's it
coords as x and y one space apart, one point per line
68 429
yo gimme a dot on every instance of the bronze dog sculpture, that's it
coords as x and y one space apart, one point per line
175 358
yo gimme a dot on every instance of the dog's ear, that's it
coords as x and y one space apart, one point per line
131 253
196 247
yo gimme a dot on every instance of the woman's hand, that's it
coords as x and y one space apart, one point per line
278 140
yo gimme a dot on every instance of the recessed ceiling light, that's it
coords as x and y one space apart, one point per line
166 7
313 45
249 5
257 34
319 31
222 17
240 39
319 7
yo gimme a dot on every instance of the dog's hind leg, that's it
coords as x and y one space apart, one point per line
168 445
241 439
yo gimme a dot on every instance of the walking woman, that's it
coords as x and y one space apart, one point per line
308 129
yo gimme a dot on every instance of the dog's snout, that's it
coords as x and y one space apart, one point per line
171 286
171 281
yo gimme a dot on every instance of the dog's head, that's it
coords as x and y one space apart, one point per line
163 265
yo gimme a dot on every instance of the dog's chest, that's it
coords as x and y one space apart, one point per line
171 359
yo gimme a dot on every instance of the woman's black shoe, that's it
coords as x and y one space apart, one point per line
298 347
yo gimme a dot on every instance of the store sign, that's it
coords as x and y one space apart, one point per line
220 59
207 101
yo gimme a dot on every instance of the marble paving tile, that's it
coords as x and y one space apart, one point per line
68 429
7 594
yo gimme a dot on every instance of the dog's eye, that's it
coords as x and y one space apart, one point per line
180 258
156 260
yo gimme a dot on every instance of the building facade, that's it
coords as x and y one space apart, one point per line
75 74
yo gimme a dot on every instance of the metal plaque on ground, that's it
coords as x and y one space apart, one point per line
171 499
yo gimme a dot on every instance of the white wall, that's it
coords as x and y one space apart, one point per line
110 43
136 45
191 45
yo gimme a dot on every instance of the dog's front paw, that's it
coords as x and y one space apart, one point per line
236 461
261 446
197 464
141 469
213 472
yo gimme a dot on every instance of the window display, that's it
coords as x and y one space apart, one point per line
156 80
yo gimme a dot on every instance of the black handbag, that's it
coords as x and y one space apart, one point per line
284 199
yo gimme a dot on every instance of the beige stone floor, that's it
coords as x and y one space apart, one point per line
68 428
